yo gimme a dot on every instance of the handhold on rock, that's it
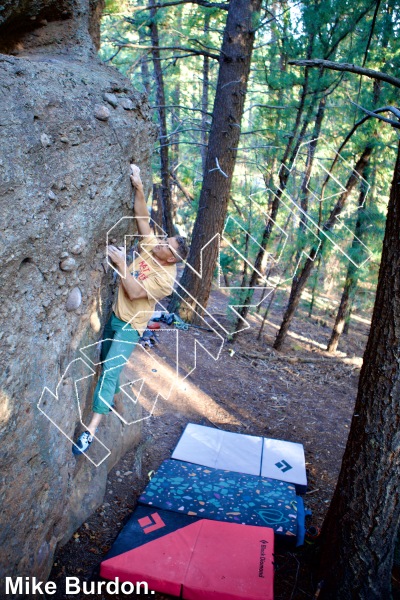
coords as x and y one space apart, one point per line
78 246
45 140
111 99
51 195
101 112
69 264
92 191
74 299
135 170
127 104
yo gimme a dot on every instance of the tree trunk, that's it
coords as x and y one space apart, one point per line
175 124
359 532
276 201
157 207
235 59
266 314
351 277
176 97
314 288
164 158
204 95
304 196
347 317
300 282
144 66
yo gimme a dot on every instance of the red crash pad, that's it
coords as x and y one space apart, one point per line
193 558
231 561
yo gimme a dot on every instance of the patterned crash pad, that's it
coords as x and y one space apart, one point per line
220 495
249 454
193 558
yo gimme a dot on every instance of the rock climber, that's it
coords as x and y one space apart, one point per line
149 278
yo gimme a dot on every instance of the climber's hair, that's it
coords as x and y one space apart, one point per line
183 250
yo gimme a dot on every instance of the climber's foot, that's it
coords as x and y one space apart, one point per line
82 443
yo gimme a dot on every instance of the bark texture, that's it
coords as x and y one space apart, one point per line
235 59
360 529
168 224
204 96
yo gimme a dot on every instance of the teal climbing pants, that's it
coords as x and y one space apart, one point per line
119 340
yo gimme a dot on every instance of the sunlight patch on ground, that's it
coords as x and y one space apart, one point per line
361 319
295 336
158 394
357 361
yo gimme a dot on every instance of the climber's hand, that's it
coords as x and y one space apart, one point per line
135 177
117 255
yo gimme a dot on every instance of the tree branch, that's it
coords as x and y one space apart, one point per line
195 41
373 113
349 135
205 3
350 29
113 56
184 107
149 48
181 187
270 106
328 64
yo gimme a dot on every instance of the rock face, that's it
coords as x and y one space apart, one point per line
64 182
62 26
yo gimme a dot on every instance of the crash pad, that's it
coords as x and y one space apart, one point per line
221 495
285 461
196 559
220 449
254 455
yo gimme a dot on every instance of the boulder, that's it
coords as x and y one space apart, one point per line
64 182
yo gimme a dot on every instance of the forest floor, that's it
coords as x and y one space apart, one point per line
301 394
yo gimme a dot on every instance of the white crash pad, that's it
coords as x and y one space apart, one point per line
220 449
285 461
249 454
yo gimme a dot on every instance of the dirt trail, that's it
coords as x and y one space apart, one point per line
301 395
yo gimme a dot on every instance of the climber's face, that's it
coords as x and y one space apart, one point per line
165 250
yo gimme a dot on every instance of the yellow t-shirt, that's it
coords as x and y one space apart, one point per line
157 280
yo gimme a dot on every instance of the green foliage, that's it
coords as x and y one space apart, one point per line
334 29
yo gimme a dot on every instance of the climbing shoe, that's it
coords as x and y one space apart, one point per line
82 443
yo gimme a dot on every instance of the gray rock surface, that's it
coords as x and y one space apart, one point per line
64 182
69 264
111 99
74 299
101 112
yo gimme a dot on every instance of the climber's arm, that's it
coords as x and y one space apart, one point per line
132 288
140 207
